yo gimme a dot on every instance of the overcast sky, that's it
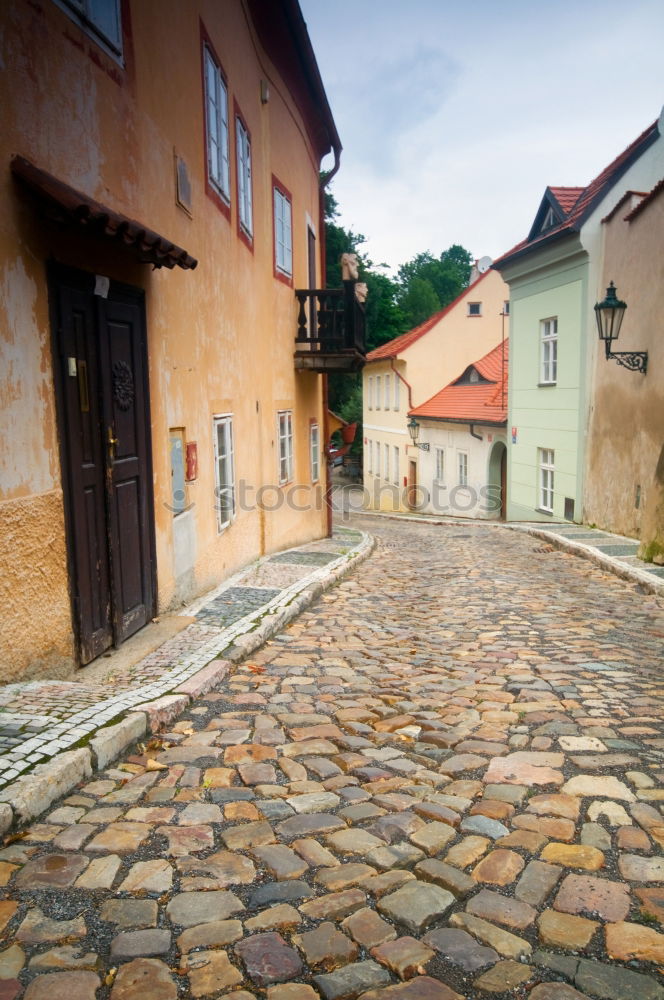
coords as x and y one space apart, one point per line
454 116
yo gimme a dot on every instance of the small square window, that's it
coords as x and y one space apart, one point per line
474 308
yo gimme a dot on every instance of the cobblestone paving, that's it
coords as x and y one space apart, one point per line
443 780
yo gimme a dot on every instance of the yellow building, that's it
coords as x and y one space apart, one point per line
160 205
409 370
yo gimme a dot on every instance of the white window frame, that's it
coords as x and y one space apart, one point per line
546 465
440 465
379 389
377 457
549 351
369 454
285 441
314 451
82 13
462 467
474 309
395 471
224 482
386 468
216 126
283 232
388 391
244 196
396 392
370 392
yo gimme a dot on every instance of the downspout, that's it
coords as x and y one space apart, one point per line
473 434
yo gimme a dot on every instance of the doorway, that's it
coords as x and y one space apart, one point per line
101 382
497 499
412 484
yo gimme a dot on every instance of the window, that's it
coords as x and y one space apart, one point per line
314 452
377 457
386 471
388 391
506 307
546 471
243 145
440 464
224 472
396 391
285 446
216 124
549 351
463 468
379 389
99 18
283 232
395 471
474 308
369 454
370 393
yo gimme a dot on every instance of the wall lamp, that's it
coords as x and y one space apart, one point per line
414 431
609 315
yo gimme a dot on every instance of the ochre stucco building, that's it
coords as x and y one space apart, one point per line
160 202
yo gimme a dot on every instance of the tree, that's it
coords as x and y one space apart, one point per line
446 277
418 301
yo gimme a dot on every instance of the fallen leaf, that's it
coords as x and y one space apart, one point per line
153 765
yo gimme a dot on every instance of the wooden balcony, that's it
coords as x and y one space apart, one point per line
330 330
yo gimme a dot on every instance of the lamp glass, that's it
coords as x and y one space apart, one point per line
609 315
413 429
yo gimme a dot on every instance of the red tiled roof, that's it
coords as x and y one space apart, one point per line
647 200
478 402
589 197
566 197
394 347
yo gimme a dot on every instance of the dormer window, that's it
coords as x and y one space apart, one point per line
549 220
473 377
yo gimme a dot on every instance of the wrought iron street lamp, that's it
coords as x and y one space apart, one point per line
609 315
414 431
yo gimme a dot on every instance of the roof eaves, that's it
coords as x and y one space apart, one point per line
647 200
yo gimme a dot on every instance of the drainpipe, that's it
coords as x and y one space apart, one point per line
473 434
407 384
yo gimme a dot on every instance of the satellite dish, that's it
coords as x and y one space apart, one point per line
483 264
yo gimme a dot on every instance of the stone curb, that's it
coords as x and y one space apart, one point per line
32 794
630 573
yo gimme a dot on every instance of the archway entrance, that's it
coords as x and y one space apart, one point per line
498 480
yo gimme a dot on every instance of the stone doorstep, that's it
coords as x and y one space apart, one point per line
30 795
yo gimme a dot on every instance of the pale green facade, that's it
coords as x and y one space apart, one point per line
550 283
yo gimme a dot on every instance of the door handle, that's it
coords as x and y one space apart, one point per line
112 441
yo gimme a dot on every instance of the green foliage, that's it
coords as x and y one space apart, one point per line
426 280
418 301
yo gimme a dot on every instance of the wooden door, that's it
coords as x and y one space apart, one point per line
104 419
412 484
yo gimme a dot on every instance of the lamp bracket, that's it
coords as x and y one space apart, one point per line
635 361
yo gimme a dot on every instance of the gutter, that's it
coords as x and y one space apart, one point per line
474 434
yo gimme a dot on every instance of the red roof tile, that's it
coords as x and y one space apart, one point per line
477 402
394 347
566 197
588 199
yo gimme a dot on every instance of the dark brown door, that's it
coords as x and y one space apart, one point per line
104 420
412 484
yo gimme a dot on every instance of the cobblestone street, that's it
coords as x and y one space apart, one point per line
444 779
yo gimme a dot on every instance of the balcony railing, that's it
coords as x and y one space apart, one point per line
330 329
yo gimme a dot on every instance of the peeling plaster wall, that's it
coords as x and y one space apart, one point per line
625 481
220 338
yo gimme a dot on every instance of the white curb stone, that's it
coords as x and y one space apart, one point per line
109 743
6 817
162 711
32 795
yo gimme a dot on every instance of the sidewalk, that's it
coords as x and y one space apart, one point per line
42 719
613 553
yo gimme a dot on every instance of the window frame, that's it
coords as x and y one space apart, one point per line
546 466
79 12
386 462
224 421
396 404
369 454
462 468
395 458
548 351
215 190
379 391
377 459
370 392
285 446
387 397
244 178
471 306
280 192
314 451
